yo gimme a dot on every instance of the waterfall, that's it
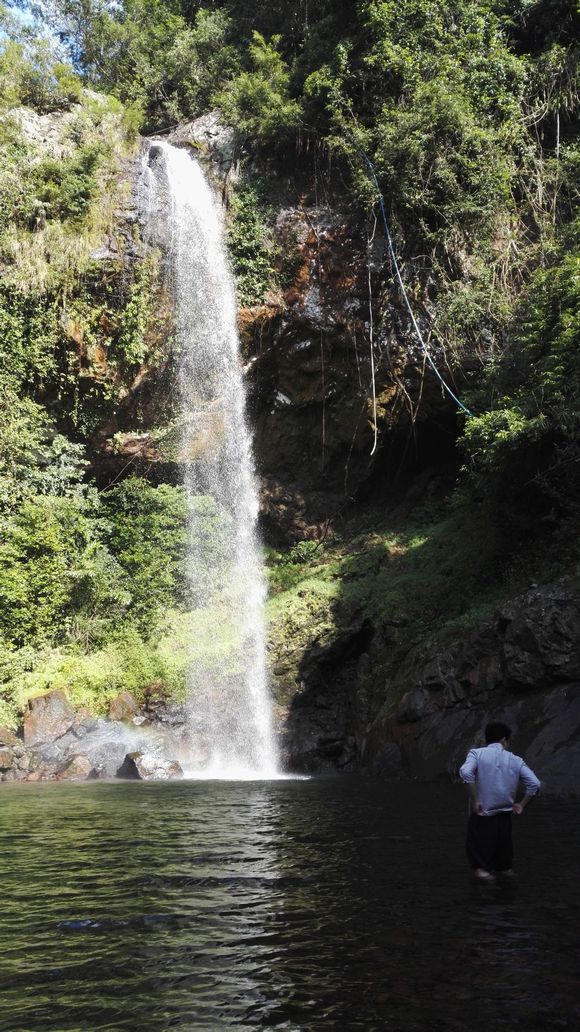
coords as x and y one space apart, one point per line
229 711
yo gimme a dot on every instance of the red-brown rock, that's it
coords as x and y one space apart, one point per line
79 769
123 707
48 717
8 737
6 759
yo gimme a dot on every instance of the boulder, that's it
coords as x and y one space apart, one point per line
80 768
84 722
123 707
156 768
6 759
47 718
142 766
8 737
107 746
209 136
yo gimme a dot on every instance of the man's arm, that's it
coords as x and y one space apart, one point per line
474 802
468 774
531 785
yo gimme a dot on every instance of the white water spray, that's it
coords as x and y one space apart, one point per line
230 723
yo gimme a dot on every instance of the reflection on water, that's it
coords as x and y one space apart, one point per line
330 905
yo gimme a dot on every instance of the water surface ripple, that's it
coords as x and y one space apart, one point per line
328 905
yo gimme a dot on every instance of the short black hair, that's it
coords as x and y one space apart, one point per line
495 731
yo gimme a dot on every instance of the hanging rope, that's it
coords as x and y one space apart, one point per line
397 271
371 340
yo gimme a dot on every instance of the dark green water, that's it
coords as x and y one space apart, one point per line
329 905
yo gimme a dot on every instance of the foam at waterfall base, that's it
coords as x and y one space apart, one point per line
219 769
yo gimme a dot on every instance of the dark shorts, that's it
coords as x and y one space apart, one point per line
489 842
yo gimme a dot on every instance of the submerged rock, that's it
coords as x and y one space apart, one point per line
140 766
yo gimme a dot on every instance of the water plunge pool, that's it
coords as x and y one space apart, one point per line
326 904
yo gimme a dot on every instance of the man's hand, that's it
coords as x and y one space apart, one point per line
519 807
476 807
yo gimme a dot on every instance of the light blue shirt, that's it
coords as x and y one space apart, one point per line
497 773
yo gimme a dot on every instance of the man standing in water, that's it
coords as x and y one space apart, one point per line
493 774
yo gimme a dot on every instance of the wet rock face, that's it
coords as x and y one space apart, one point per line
312 351
523 668
327 361
319 728
542 642
209 137
308 374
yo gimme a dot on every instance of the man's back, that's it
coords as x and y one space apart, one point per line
497 773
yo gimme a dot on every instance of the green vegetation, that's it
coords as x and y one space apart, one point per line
258 101
251 251
531 436
93 676
73 603
87 577
33 77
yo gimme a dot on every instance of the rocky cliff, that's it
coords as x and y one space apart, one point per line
522 667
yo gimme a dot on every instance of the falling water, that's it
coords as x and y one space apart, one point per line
230 729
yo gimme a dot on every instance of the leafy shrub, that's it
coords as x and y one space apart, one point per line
29 334
52 567
144 528
258 102
490 438
34 457
250 250
129 343
31 76
533 429
64 187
